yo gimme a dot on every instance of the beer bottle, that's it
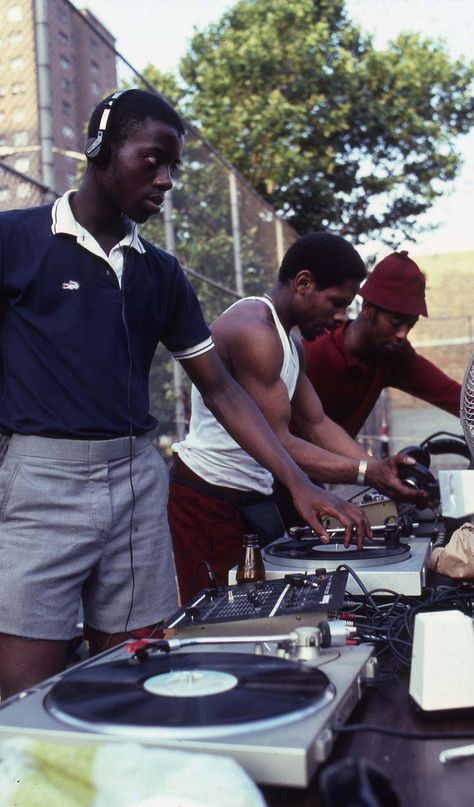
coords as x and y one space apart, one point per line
250 568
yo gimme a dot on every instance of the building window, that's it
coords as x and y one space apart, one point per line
17 63
68 131
94 43
64 62
20 138
23 190
4 194
19 115
14 14
66 107
15 38
94 68
95 88
22 164
63 38
18 88
65 84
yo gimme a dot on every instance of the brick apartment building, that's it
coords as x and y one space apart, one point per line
56 63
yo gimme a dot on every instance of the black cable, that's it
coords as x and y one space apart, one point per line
390 625
428 440
336 656
358 581
210 574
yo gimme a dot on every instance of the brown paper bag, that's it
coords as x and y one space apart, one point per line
456 559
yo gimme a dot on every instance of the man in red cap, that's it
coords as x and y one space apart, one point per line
350 366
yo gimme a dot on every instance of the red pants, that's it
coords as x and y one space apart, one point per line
203 528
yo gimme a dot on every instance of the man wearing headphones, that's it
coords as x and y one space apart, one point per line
83 492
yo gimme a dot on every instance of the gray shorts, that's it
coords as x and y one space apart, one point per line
66 534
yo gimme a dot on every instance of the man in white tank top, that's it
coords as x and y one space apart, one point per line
212 478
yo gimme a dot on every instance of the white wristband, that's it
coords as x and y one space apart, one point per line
361 472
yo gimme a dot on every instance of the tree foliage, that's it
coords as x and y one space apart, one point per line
204 238
332 132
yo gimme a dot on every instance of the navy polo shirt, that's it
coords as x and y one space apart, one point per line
71 338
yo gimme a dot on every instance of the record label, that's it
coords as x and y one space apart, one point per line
190 683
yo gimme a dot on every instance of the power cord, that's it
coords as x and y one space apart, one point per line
390 624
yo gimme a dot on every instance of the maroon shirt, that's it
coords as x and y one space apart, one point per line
348 390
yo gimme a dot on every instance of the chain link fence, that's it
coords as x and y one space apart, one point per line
56 63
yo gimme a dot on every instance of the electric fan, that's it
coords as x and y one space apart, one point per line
467 406
456 486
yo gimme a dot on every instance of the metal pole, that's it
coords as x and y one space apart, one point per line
234 214
178 391
44 97
279 240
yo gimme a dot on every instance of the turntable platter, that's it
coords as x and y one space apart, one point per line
186 695
375 552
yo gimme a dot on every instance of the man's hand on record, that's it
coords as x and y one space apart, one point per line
313 504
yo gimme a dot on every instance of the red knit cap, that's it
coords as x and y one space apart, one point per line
396 284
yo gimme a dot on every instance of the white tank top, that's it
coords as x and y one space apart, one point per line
211 452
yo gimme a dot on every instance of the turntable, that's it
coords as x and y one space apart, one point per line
265 701
385 562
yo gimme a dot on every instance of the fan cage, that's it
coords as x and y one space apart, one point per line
467 405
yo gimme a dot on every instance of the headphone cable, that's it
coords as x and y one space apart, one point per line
130 435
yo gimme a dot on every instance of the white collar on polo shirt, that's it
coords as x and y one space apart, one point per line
63 222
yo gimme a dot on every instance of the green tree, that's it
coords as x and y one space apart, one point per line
204 238
332 132
203 225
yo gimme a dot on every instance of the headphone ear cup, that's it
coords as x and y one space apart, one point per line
97 151
92 148
419 477
419 453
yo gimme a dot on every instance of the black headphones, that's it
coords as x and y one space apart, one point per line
96 148
418 476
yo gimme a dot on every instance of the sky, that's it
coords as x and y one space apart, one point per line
159 32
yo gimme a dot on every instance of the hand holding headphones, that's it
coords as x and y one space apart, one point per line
418 475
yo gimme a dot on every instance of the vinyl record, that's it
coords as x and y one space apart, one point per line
188 694
375 552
